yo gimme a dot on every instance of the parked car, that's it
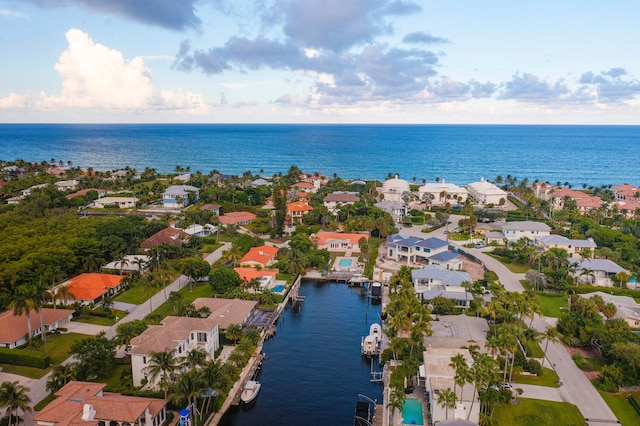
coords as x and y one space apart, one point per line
481 244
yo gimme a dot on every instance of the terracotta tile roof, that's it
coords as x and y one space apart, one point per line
627 205
236 217
589 203
299 206
13 328
303 185
568 192
211 207
323 237
226 311
262 255
91 286
250 273
170 235
67 408
341 198
303 194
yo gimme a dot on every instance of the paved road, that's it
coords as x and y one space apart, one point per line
37 388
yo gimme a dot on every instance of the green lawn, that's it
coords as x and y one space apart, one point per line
516 268
548 378
454 236
58 345
199 290
135 295
285 277
623 410
535 412
551 304
209 248
534 350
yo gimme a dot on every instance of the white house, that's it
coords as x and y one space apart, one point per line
513 231
179 196
336 199
440 193
66 185
439 376
129 263
414 250
121 202
484 192
397 209
573 247
179 335
392 189
435 280
596 271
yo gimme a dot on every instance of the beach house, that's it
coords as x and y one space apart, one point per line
393 190
485 193
434 280
262 256
441 193
419 251
179 196
336 199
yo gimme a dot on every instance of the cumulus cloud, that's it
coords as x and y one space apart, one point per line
422 37
170 14
609 86
528 87
97 77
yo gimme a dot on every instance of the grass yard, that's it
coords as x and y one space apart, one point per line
96 320
535 412
622 408
516 268
551 304
58 345
548 378
199 290
534 349
209 248
135 295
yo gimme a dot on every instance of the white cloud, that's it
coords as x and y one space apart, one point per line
16 101
99 78
13 14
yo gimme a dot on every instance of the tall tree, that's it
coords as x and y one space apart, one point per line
162 364
14 397
447 400
24 303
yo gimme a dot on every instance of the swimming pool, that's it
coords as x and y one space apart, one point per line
345 262
412 412
278 289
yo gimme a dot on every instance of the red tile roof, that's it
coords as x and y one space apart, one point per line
299 206
262 255
248 274
303 185
236 217
13 328
84 192
92 286
170 235
322 237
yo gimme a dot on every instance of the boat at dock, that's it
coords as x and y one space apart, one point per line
370 345
250 391
375 291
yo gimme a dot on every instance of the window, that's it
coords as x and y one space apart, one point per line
144 359
202 337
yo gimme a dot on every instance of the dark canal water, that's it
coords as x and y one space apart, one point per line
315 372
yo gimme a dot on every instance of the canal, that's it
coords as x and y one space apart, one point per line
314 371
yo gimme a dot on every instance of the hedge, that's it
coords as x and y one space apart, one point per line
24 357
634 403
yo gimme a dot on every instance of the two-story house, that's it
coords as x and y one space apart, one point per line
435 280
414 250
178 335
179 196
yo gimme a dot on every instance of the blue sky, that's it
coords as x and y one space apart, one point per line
320 61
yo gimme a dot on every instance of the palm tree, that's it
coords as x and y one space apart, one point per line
446 400
23 303
150 283
175 299
40 295
550 334
194 358
463 373
14 397
296 261
233 255
61 375
164 365
234 332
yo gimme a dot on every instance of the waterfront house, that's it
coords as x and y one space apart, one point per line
179 196
626 192
91 287
14 328
457 331
227 311
266 278
441 193
237 218
260 256
184 178
178 335
393 190
584 202
338 241
169 235
439 376
336 199
485 193
626 307
435 280
415 250
596 271
118 202
398 210
573 247
86 404
296 210
260 182
629 207
128 263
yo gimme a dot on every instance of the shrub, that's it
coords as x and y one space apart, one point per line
534 367
579 360
24 357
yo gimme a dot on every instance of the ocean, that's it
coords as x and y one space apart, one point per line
314 371
591 155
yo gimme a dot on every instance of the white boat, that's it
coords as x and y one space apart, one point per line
369 346
375 330
250 391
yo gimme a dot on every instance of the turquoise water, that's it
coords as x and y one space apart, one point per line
345 262
412 412
278 289
461 154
